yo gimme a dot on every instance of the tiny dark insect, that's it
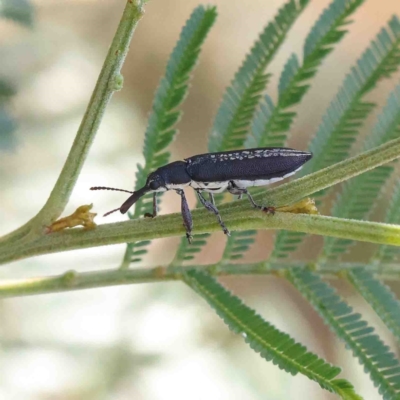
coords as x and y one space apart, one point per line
234 171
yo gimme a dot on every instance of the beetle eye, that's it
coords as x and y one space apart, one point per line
154 185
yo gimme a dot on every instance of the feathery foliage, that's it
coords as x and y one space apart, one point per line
7 127
360 194
379 296
241 98
237 245
272 344
272 123
7 122
20 11
165 114
346 114
239 103
376 357
386 253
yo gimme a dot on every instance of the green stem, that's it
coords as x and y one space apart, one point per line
108 82
171 225
73 280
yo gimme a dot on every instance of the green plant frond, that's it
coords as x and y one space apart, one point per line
237 244
386 253
290 69
7 90
187 252
347 111
165 114
20 11
328 30
272 129
346 114
379 296
7 122
7 127
241 99
242 96
376 357
272 344
359 195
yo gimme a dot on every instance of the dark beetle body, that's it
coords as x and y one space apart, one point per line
251 167
234 171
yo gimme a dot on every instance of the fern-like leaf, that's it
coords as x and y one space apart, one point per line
237 244
387 253
379 296
7 127
242 96
7 122
359 195
272 344
271 128
165 114
20 11
347 112
240 101
376 357
272 123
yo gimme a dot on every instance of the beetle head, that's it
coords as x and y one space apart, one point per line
154 183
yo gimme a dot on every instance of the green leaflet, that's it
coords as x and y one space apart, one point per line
165 114
238 105
7 127
20 11
242 96
385 253
7 122
347 112
378 361
379 296
272 344
271 124
360 194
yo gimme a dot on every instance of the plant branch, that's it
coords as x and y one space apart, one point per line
171 225
72 280
108 82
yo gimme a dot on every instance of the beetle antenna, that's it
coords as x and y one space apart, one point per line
109 188
110 212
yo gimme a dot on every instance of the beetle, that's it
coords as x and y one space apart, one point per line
233 170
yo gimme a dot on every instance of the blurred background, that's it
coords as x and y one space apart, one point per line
150 341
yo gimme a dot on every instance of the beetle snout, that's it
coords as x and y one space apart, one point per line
133 199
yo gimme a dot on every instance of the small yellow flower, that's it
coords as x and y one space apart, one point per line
305 206
81 216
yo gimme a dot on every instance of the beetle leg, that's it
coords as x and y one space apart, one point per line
232 188
155 210
211 196
186 215
212 208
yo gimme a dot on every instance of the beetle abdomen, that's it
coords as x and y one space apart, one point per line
250 165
